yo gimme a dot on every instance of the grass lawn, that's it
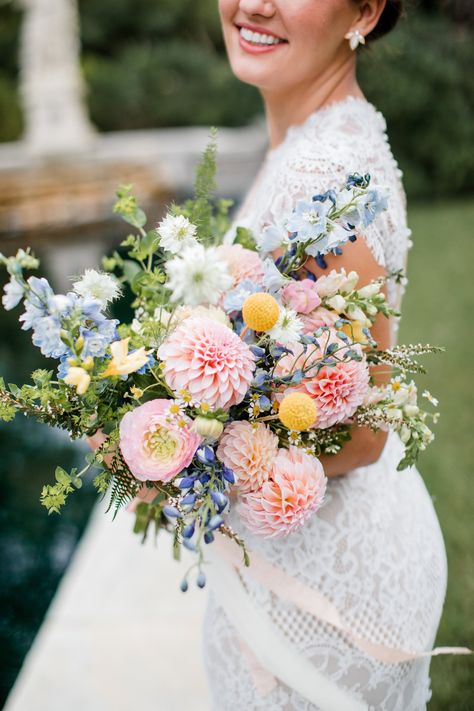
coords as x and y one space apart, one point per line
438 309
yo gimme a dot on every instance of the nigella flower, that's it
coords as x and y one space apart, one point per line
176 232
198 276
97 285
288 327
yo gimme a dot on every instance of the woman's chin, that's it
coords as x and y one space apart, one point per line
263 75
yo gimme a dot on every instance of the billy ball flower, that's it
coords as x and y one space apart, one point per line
297 411
249 451
155 446
294 491
260 311
209 361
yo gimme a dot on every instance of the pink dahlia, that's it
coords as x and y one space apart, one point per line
155 446
208 360
338 390
249 451
285 502
243 263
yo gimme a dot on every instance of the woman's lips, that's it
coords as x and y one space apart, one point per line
258 48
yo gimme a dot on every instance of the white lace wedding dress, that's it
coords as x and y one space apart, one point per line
374 550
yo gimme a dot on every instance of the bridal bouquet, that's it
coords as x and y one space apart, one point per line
236 370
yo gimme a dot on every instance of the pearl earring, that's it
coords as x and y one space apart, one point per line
355 38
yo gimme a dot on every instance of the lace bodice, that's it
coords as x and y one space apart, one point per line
374 549
344 137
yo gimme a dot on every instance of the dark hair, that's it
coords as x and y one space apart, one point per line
393 10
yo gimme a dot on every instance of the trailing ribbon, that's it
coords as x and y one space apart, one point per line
293 590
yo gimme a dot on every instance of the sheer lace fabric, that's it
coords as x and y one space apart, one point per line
375 549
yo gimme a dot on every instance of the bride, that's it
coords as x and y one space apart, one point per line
337 615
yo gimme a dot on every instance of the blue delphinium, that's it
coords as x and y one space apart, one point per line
234 299
309 220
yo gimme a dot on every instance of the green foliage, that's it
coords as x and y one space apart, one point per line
54 496
429 105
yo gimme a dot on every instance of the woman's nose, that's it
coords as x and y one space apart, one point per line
266 8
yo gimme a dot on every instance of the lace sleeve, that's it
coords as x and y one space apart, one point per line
340 139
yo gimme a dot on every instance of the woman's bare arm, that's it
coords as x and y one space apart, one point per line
366 446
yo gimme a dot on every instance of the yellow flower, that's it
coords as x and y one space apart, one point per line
354 331
297 411
260 311
123 362
79 378
136 392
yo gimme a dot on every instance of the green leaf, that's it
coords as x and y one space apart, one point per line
131 269
61 476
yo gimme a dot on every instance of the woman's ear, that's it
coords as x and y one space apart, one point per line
368 15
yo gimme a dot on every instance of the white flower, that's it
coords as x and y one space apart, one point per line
330 284
271 238
97 285
430 398
198 276
350 283
337 302
369 290
273 279
176 232
288 327
13 294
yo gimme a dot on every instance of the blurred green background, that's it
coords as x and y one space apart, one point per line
156 64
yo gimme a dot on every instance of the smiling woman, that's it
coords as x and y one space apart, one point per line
343 613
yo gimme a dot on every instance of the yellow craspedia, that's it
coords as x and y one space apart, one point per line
260 311
297 411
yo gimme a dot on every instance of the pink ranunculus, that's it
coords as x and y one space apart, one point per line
155 446
249 451
284 502
301 296
243 263
208 360
338 390
319 317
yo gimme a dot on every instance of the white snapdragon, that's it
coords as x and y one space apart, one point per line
176 232
337 302
288 328
198 276
97 285
330 284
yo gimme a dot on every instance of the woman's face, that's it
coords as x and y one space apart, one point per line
301 39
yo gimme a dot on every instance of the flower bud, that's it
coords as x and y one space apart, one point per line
367 291
337 302
208 428
201 580
411 410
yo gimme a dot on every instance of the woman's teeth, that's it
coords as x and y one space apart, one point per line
258 38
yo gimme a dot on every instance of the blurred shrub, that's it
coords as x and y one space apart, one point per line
419 78
155 64
10 113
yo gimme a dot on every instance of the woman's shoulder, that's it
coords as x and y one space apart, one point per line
344 136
